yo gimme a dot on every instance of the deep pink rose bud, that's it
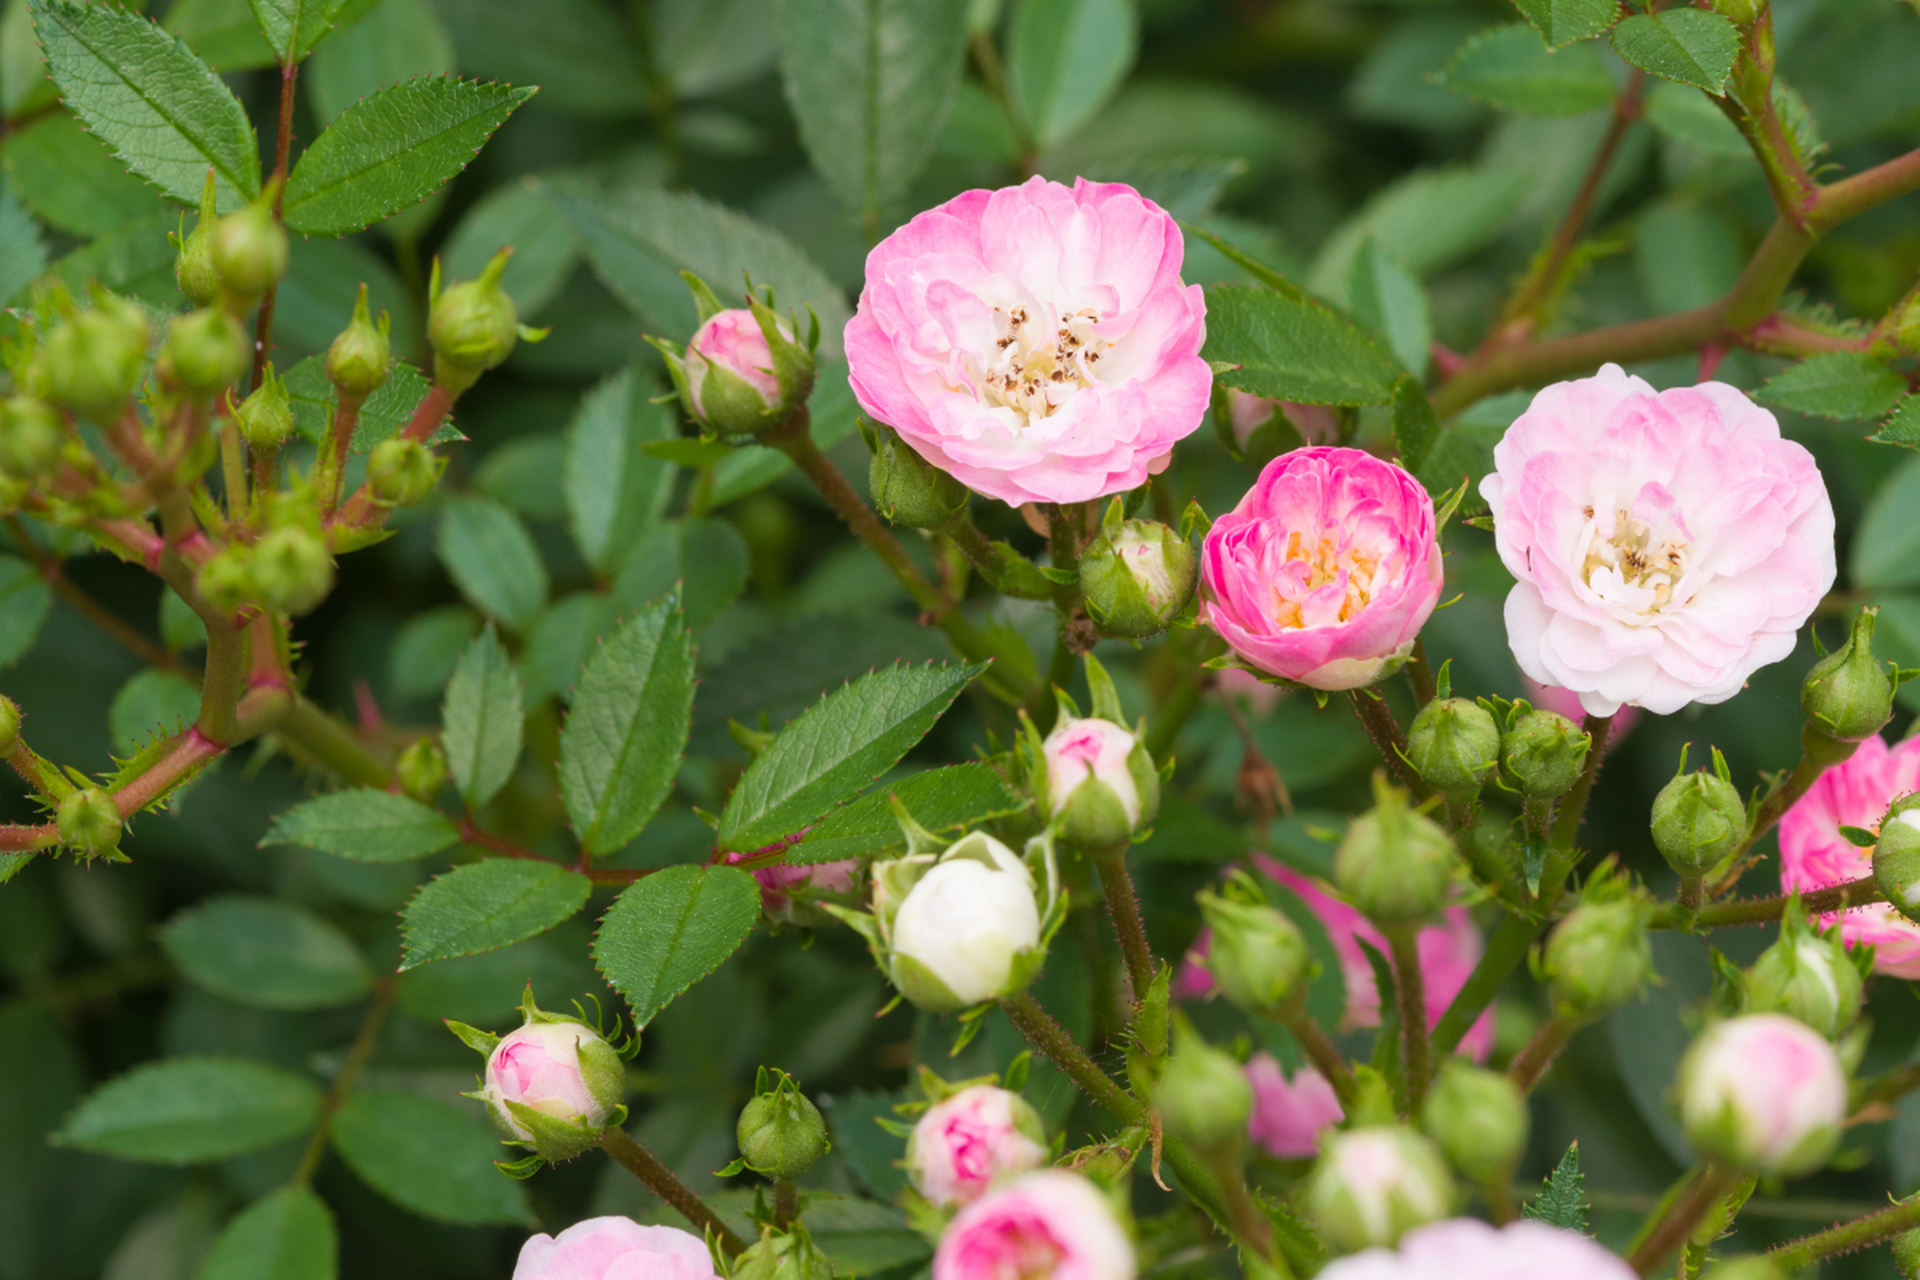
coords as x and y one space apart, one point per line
553 1085
1467 1247
1290 1115
1763 1093
1326 570
963 1144
615 1249
1051 1225
1101 783
1665 545
725 354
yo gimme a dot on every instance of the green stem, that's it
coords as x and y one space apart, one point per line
786 1202
1123 906
333 745
1561 853
1797 1255
1818 753
1820 902
222 683
1051 1039
363 1046
1532 1062
1377 718
660 1180
1505 950
1411 995
1320 1051
1672 1230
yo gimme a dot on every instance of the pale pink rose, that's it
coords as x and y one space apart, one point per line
1813 853
615 1249
1316 423
1090 748
1666 545
1763 1092
1050 1225
1034 342
1566 702
1468 1249
539 1066
962 1144
731 340
1327 569
1449 949
1289 1115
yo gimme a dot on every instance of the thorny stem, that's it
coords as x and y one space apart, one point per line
1796 1255
54 574
1377 718
1051 1039
363 1046
1320 1051
660 1180
282 149
1711 1183
1124 908
1835 897
1505 950
1411 995
1532 1062
1817 752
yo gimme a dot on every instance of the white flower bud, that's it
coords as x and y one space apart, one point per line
964 922
1372 1185
1763 1093
1101 783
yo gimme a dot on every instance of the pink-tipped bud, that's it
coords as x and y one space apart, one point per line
966 1142
553 1085
1101 783
1764 1093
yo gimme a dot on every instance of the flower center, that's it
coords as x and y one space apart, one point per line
1036 368
1300 595
1027 1251
1630 567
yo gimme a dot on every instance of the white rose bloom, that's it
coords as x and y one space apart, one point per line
965 920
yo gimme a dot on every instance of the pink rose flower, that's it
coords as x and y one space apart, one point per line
962 1144
1460 1248
1288 1116
1035 342
1813 853
539 1066
1327 569
615 1249
1051 1225
1765 1093
1449 949
731 340
1666 545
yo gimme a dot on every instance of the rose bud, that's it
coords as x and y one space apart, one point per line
291 570
1906 1245
1454 744
1468 1249
1258 957
1751 1267
9 725
205 351
1101 785
193 268
89 823
780 1132
93 360
1848 695
1479 1119
1137 576
226 580
472 326
1764 1094
31 437
1373 1185
791 895
1598 957
265 417
1395 865
615 1248
1806 974
1258 429
1542 754
422 768
361 356
906 489
743 370
1049 1225
1289 1115
1203 1094
963 1143
403 473
553 1085
1326 570
1698 819
1896 859
250 248
781 1255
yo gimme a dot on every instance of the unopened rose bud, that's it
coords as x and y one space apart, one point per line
1202 1094
403 472
961 1145
422 768
1806 975
226 580
1258 957
966 928
265 418
1743 12
93 360
554 1084
732 384
1764 1094
1896 856
1101 783
1479 1119
250 248
1372 1185
782 1255
206 350
1049 1225
1395 865
907 489
1454 744
1906 1254
1542 754
473 327
1848 695
1137 576
1598 957
193 269
9 725
781 1133
1903 322
89 822
361 357
291 569
31 437
1698 819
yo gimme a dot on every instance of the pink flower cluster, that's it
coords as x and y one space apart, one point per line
614 1248
1813 853
1468 1249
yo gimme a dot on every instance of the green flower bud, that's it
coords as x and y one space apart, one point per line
783 1255
250 248
265 418
89 822
1374 1184
1903 322
1806 975
909 490
553 1083
292 571
1454 744
1698 818
781 1133
31 437
1542 754
1906 1254
422 768
9 725
1896 856
1395 865
194 270
1479 1119
1743 12
1258 957
1848 695
1598 957
206 350
403 472
1752 1267
227 579
94 359
744 369
1203 1095
1137 576
360 359
473 326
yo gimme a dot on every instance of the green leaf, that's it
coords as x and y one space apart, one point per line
223 32
193 1110
67 177
424 653
1686 254
1839 384
1390 304
23 255
1415 428
706 45
1293 348
578 51
1561 1202
1065 58
706 555
25 599
837 746
143 92
940 800
1687 46
486 905
561 644
398 40
614 488
1903 426
284 1235
1561 22
1430 219
392 150
432 1157
1886 548
382 414
482 716
1690 118
493 560
621 745
1506 67
545 250
364 825
266 953
293 27
153 704
871 82
668 931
